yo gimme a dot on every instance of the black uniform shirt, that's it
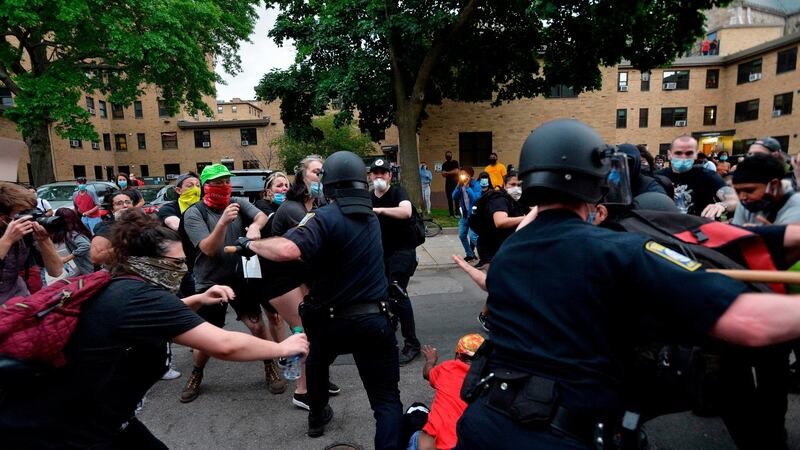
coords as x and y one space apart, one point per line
395 233
344 254
563 295
699 183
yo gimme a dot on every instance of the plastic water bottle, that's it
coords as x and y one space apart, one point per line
292 369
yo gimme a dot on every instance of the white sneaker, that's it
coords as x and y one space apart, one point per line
171 374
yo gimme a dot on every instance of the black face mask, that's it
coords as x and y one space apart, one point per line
492 161
448 157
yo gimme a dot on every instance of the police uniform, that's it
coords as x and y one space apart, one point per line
346 311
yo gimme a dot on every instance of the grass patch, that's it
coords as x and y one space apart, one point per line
442 217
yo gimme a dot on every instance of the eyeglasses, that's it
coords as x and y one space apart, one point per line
123 203
175 260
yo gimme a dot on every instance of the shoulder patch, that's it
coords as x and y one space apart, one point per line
308 217
672 256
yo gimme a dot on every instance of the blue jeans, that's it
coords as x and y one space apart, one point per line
90 222
468 237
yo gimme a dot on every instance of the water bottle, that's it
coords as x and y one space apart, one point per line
293 367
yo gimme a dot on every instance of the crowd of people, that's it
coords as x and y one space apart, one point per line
331 250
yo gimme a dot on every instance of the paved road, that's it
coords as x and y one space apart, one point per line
236 412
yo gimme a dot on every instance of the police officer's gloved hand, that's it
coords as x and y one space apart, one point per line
243 244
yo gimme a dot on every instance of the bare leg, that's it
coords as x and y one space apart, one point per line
287 306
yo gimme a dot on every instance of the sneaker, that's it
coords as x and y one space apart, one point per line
316 425
480 264
408 354
333 389
301 401
482 320
469 259
192 389
171 374
275 383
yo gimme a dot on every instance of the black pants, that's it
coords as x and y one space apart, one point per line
371 340
136 436
449 187
400 266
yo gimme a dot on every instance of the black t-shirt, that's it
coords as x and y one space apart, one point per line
289 214
344 255
489 243
450 165
103 228
699 184
117 352
172 209
565 296
395 233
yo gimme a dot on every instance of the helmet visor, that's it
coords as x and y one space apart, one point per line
618 181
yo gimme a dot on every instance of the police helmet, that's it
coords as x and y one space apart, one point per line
344 178
564 157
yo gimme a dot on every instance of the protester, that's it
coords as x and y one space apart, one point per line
311 166
647 162
425 177
757 181
135 182
465 196
705 161
75 238
486 182
42 204
299 199
87 204
20 239
450 172
124 184
496 171
275 188
723 166
101 251
118 350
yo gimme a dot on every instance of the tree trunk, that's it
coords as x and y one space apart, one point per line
409 155
38 140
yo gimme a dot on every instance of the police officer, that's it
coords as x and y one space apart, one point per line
346 311
560 320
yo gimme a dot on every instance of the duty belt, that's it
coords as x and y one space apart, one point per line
360 309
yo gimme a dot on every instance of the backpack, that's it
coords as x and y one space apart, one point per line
418 225
480 221
35 329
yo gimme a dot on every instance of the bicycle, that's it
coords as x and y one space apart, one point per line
432 228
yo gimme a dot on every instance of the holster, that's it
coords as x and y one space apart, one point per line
396 294
310 314
525 398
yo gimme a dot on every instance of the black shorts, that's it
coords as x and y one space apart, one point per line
245 304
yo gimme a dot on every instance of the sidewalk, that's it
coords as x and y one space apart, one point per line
437 251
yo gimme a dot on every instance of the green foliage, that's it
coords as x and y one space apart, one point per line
332 138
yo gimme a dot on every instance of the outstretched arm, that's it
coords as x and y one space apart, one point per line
478 276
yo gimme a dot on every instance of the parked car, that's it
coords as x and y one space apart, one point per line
59 194
249 183
156 196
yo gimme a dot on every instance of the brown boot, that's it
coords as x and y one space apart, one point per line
192 389
275 382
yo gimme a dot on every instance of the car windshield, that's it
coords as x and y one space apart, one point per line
61 193
149 194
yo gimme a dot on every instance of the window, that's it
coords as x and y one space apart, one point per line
676 79
712 78
117 112
5 97
75 143
228 163
710 115
169 140
671 115
101 106
741 146
106 142
95 145
202 165
121 142
644 118
663 149
172 171
561 91
79 171
474 148
645 82
784 141
782 106
233 108
220 109
137 110
747 110
622 118
144 170
622 82
162 109
202 138
90 105
250 164
787 60
141 141
749 71
249 135
98 172
124 169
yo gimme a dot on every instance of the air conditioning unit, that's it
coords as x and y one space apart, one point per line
645 76
623 88
91 110
670 86
755 76
206 144
680 123
245 143
96 145
777 113
74 143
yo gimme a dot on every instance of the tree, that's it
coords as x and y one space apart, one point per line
389 59
332 138
54 51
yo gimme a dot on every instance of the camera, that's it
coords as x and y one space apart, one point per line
51 224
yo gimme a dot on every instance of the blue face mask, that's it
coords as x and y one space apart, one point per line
315 188
81 187
484 182
279 198
723 158
682 165
123 184
590 217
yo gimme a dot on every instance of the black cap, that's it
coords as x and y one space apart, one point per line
769 143
380 164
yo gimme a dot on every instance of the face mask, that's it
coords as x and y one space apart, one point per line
723 158
759 205
188 198
682 165
515 192
160 271
492 161
380 184
279 198
81 187
217 197
448 157
423 167
315 188
123 184
484 182
590 218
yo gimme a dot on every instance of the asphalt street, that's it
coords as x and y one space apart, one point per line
235 411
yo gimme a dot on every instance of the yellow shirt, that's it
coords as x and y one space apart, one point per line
496 174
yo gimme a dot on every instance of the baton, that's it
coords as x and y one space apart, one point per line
760 276
231 249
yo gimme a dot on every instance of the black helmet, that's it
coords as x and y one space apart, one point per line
566 156
344 177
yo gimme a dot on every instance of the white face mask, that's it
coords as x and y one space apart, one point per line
515 192
380 184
